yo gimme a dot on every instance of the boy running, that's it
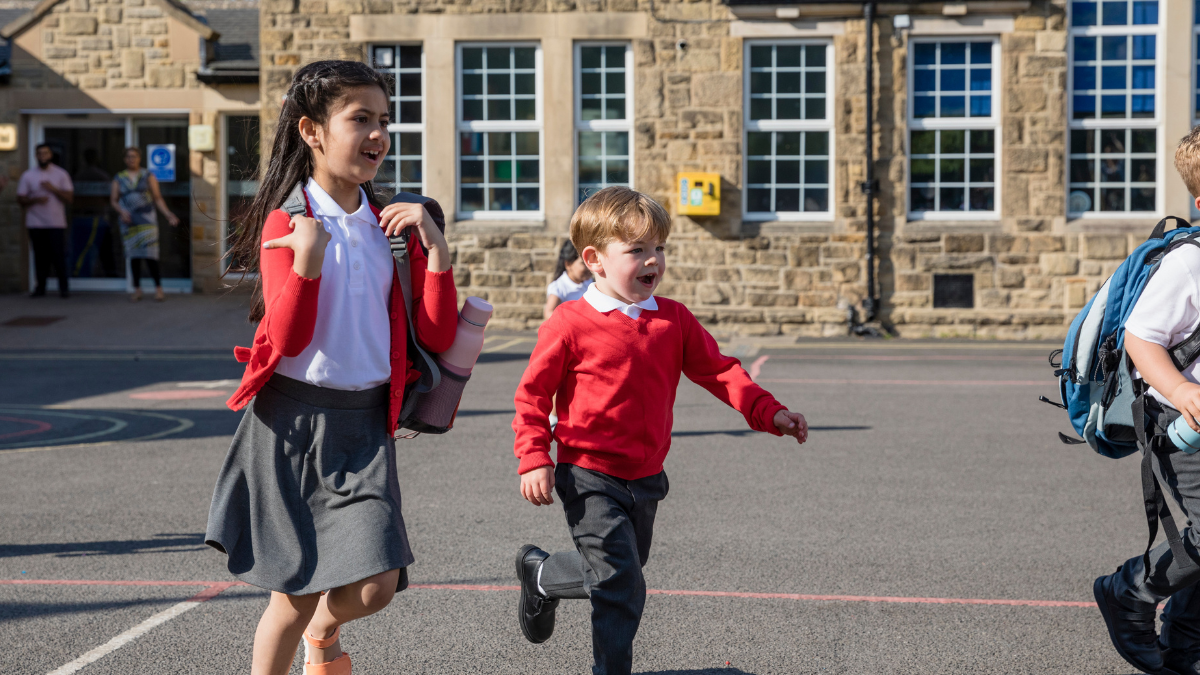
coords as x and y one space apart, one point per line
1166 315
614 362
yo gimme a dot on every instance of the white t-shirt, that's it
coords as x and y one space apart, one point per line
353 336
1168 311
564 289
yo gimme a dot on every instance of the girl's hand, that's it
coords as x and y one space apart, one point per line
396 217
792 424
537 486
125 217
172 219
307 241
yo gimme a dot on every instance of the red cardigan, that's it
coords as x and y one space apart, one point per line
291 315
616 378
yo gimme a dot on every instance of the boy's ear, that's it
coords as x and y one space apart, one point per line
590 256
1198 203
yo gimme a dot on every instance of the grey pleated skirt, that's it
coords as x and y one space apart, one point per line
308 498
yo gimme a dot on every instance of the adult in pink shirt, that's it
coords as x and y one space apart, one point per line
44 192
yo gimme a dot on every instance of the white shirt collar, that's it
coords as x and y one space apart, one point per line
325 205
606 303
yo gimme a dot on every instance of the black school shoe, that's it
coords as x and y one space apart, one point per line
535 611
1181 661
1131 629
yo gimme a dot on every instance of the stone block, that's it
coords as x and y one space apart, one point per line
963 243
1027 98
1029 22
154 28
1060 264
276 40
818 299
275 7
470 257
691 119
346 6
687 272
82 6
914 282
92 81
1011 277
774 258
737 256
846 273
797 280
1026 160
1040 65
838 251
165 77
717 90
711 294
96 44
509 261
59 52
145 13
111 15
79 25
806 255
491 279
756 274
1104 246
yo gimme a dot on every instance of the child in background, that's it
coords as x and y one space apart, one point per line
614 361
307 504
571 279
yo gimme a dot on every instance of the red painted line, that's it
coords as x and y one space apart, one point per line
177 394
38 427
756 367
909 383
217 587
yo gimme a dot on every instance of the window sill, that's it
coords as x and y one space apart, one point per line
1134 224
482 226
981 226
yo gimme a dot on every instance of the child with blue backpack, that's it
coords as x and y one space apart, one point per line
1160 339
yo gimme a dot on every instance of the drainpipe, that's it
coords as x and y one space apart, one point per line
871 302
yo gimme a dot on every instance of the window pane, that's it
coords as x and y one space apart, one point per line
401 171
1083 14
472 58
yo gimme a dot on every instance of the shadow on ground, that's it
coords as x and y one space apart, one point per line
161 543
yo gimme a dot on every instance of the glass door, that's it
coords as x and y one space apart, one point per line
90 150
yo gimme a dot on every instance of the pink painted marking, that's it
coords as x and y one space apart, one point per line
962 383
38 427
177 394
215 588
756 367
842 357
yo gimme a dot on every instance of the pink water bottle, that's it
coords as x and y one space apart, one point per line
460 358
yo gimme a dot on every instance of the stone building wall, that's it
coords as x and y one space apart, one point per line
1030 269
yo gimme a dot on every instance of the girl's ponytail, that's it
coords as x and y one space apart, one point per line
566 255
316 88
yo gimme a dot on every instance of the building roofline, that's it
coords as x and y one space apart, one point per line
172 7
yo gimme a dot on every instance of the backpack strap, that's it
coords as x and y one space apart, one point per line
1161 228
430 374
296 204
1152 495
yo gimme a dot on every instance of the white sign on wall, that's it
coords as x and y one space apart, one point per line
161 161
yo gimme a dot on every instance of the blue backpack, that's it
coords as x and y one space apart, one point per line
1105 404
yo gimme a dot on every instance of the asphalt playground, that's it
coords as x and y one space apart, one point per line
932 524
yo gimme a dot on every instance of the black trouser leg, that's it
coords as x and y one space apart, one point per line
612 523
1179 474
58 254
41 245
135 270
152 265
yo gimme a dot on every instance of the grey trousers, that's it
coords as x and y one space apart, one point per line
612 523
1179 474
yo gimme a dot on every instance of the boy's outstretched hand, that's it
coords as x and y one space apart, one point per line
791 424
537 486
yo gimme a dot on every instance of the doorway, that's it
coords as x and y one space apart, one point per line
90 147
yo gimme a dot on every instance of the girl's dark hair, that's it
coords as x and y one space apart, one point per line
316 88
566 255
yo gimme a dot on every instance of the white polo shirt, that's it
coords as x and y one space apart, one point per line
607 303
1168 310
352 340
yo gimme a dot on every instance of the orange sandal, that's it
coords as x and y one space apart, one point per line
338 666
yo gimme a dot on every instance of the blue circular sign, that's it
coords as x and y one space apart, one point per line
160 157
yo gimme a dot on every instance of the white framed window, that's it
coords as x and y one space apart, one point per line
1115 144
953 128
603 116
240 136
788 106
499 115
403 170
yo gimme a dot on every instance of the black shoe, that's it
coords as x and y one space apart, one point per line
1181 661
64 295
1130 628
535 611
37 293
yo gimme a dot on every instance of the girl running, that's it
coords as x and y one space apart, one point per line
307 504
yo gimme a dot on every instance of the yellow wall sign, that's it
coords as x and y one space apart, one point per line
699 193
8 137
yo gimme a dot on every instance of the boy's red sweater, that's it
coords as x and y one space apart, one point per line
615 378
291 316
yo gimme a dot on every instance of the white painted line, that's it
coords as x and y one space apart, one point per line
125 638
506 345
208 384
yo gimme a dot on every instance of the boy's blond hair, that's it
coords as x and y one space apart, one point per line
618 213
1187 161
